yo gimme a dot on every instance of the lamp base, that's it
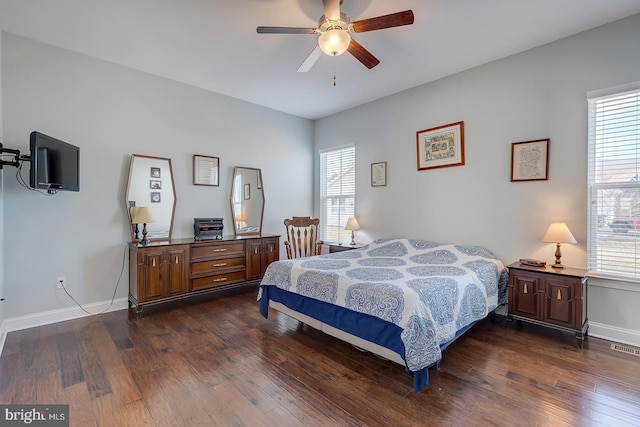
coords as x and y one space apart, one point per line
558 254
353 238
144 241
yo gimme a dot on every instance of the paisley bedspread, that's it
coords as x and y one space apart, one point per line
429 290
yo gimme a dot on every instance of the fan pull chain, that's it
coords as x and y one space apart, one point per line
334 78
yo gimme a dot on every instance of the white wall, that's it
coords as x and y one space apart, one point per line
111 112
537 94
2 335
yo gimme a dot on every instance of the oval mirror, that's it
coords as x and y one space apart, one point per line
247 201
151 185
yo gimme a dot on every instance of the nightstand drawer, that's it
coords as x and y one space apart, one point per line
217 250
211 266
216 280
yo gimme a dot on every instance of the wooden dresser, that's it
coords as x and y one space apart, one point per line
181 268
555 298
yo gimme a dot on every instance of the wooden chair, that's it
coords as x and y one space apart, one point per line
302 237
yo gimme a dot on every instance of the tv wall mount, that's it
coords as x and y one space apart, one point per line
16 157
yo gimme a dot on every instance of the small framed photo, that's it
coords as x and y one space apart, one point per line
530 160
155 172
155 197
206 170
441 146
155 184
247 191
379 174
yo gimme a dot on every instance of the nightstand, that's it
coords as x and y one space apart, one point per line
554 298
337 247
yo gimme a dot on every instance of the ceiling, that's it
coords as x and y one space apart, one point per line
213 44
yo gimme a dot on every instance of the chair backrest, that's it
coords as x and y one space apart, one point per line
302 237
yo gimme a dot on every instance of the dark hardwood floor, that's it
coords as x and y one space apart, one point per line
217 362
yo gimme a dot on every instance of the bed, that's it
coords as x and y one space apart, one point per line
402 299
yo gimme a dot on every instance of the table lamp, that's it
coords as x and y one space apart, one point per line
557 233
352 224
239 222
143 216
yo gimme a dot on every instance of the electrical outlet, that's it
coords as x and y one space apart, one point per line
61 282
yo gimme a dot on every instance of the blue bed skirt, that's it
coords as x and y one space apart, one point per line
361 325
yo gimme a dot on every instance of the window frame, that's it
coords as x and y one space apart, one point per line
332 224
607 254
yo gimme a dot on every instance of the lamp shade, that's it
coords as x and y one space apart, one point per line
133 210
352 224
558 232
334 42
142 215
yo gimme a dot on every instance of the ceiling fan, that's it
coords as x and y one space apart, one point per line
335 29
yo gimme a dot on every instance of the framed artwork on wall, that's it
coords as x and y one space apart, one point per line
379 174
441 146
206 170
530 160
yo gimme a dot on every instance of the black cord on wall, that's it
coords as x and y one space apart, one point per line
113 297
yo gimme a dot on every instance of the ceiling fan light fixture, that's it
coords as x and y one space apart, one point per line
334 42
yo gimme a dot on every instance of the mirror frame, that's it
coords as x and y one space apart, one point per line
233 214
126 196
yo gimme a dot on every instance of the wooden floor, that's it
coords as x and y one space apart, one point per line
217 362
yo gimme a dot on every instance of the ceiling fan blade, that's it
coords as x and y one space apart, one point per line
381 22
362 54
331 9
285 30
310 60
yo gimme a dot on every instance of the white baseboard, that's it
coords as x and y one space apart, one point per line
55 316
615 334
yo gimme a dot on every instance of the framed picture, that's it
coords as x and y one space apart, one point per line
155 173
379 174
247 191
155 197
530 160
206 170
441 146
155 184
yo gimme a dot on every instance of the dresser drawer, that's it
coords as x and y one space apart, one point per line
210 266
220 250
216 280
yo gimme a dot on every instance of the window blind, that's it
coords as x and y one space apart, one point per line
337 193
613 242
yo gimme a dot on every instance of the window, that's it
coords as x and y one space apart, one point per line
337 193
614 182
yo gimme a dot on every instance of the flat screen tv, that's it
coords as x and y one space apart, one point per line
55 164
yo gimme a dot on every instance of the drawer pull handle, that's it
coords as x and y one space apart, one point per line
222 279
559 294
176 259
525 288
220 250
153 262
220 264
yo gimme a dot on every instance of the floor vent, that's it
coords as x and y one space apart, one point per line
626 349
